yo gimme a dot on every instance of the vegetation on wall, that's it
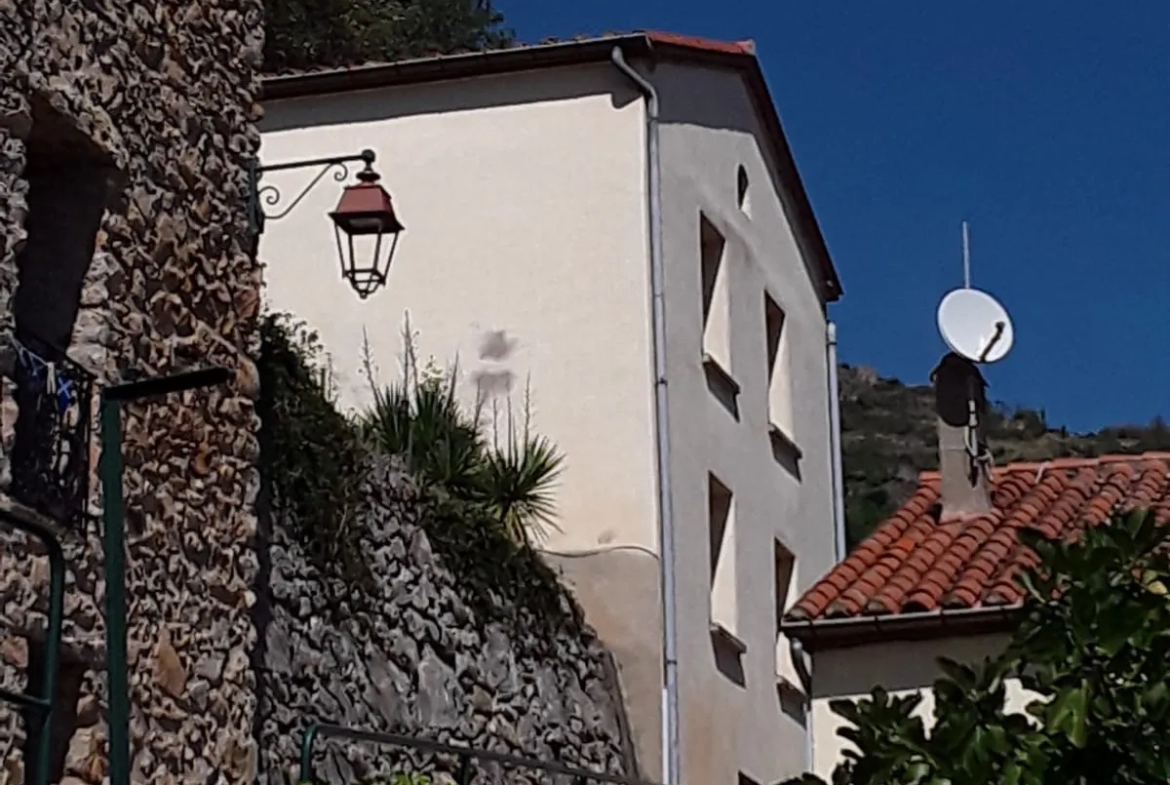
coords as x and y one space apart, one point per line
889 435
489 460
1092 646
303 34
312 457
486 495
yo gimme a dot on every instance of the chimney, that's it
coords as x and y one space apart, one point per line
964 460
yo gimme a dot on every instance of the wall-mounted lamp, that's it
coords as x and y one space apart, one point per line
366 225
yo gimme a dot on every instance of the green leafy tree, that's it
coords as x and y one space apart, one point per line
1094 645
302 34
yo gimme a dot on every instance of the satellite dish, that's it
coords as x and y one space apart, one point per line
975 326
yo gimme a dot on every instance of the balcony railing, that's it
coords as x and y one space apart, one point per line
50 445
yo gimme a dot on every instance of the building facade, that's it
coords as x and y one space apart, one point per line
524 180
125 129
927 584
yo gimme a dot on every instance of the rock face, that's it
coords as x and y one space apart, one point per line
408 655
150 107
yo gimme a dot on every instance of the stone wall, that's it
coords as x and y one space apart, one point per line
410 654
164 92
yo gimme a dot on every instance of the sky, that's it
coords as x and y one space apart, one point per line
1044 124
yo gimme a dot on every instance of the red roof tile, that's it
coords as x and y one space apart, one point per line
912 563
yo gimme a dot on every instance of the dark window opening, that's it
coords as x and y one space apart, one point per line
69 184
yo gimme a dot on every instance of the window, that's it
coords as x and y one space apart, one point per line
68 187
716 297
779 393
721 527
783 578
716 302
742 195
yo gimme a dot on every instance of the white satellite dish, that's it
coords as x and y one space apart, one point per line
975 326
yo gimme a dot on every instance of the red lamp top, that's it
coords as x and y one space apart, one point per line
365 208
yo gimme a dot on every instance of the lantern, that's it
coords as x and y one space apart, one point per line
367 233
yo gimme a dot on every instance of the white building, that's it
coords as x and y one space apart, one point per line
524 179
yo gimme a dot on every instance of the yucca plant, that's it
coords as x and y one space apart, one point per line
511 477
516 479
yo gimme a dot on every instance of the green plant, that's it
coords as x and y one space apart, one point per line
314 461
312 457
508 478
1094 646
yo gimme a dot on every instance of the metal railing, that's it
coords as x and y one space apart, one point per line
37 705
51 446
465 755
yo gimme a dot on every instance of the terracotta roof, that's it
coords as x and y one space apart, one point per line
645 45
914 566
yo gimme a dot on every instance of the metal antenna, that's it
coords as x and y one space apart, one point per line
966 257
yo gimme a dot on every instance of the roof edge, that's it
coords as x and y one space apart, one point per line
739 55
825 634
278 87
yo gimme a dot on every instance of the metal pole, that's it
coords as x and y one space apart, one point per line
52 650
114 542
114 536
671 752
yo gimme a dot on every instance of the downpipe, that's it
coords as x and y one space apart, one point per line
670 721
840 546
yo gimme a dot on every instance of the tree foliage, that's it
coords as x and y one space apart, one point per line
1094 646
302 34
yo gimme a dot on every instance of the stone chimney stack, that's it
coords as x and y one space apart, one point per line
964 460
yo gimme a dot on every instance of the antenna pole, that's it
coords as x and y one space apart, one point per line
966 257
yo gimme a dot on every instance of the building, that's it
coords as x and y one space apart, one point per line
124 136
937 580
550 193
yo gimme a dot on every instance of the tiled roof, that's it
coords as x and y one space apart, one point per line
913 564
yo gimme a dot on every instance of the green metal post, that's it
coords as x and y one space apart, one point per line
307 754
113 519
39 708
52 650
117 678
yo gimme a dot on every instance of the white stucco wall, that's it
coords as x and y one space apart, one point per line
735 722
525 206
523 198
899 667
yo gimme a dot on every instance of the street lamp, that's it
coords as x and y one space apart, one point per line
363 217
365 223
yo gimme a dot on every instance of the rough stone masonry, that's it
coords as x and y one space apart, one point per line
149 107
409 654
157 100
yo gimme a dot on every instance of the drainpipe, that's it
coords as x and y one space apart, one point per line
799 661
670 735
840 546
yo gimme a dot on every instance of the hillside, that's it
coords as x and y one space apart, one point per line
889 436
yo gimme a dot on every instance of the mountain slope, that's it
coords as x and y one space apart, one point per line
888 436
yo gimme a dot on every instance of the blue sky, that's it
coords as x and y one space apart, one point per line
1044 124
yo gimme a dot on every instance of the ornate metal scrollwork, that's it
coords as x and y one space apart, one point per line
270 195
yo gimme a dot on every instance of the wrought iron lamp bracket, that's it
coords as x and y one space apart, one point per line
270 196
